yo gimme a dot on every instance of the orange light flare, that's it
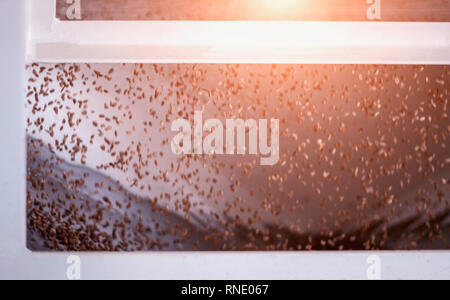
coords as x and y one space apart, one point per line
279 9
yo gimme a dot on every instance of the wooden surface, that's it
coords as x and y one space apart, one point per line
303 10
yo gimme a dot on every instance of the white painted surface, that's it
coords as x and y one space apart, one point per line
18 263
245 266
221 42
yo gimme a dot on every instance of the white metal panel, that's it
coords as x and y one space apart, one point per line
234 266
52 40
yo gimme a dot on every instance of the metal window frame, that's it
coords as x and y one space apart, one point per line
16 262
53 40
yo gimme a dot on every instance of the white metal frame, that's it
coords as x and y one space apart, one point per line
16 262
235 42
